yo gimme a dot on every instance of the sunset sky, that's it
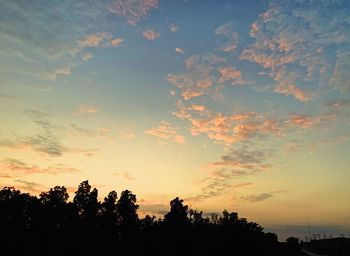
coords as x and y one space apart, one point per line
238 105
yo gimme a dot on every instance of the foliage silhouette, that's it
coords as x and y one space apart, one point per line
51 225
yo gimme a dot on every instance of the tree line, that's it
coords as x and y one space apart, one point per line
51 225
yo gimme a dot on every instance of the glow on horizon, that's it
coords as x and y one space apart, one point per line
226 104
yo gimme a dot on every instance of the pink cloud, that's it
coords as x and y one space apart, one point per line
234 128
150 35
292 90
179 50
15 168
230 74
307 121
95 40
116 42
286 85
133 10
164 131
227 31
199 108
198 77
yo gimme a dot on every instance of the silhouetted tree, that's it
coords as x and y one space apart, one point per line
178 213
127 209
50 225
86 200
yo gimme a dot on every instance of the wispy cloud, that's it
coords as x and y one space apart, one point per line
46 141
133 10
339 103
29 186
299 43
232 75
150 35
238 162
87 109
57 47
173 28
261 197
154 209
126 135
18 168
228 32
307 121
87 56
165 132
198 77
95 40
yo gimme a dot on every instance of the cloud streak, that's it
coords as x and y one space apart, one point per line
238 162
165 132
17 168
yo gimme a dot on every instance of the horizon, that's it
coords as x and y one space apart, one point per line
237 105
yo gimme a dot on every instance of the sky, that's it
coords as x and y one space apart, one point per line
237 105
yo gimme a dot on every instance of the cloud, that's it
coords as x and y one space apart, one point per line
242 185
87 109
286 84
232 75
154 209
173 28
238 162
179 51
95 40
258 197
8 97
228 129
341 77
261 197
133 10
227 31
77 130
198 77
29 186
54 49
128 176
165 132
127 135
45 143
306 121
18 168
150 35
87 56
116 42
99 39
339 103
242 159
63 71
199 108
300 43
125 175
234 128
